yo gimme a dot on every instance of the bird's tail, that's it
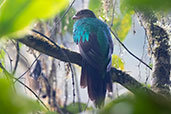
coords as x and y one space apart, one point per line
97 83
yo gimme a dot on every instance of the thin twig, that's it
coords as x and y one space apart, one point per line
73 82
142 56
55 103
145 32
85 108
31 92
57 46
128 50
77 89
64 55
29 67
17 58
70 6
10 60
52 43
25 86
73 74
66 94
19 52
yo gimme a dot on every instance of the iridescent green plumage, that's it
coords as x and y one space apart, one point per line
84 27
95 44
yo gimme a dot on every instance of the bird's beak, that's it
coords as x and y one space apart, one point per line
75 17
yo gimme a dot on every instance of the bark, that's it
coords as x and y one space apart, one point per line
160 48
44 46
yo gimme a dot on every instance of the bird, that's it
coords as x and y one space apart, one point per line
96 47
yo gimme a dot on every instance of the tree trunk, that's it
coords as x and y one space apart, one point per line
160 49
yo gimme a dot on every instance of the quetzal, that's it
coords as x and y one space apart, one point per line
95 44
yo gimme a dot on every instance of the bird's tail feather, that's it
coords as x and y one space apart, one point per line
97 83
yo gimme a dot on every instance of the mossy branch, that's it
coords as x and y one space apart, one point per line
44 46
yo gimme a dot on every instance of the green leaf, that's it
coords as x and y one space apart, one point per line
117 62
151 65
140 103
75 108
121 105
124 8
94 4
15 15
2 54
1 2
49 112
145 5
2 58
12 103
122 25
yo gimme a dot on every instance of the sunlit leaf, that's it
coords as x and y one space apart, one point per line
2 57
94 4
117 62
1 2
17 14
122 25
151 65
98 7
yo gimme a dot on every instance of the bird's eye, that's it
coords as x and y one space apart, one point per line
80 13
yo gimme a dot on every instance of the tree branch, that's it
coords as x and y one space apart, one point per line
44 46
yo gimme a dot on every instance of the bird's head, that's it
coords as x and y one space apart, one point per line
83 14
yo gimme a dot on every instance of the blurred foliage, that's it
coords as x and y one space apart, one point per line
75 108
67 21
21 105
49 112
13 103
117 62
95 5
123 20
15 15
141 103
2 57
124 8
146 5
122 25
1 1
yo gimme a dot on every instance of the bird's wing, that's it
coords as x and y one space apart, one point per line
92 37
90 50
